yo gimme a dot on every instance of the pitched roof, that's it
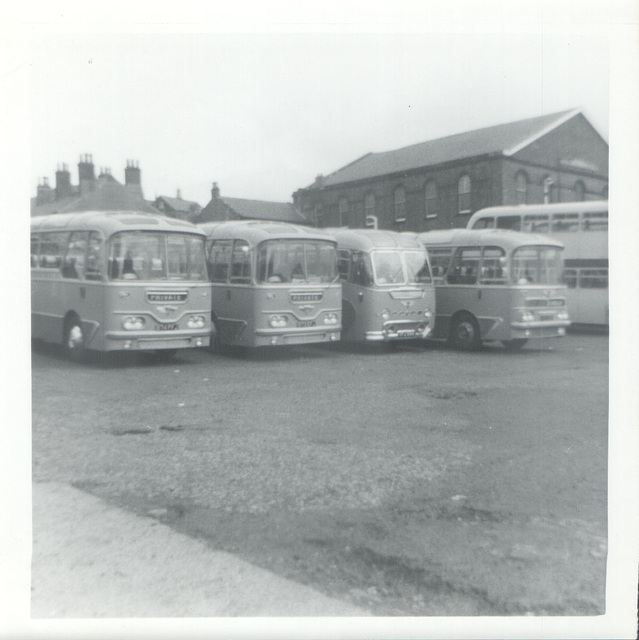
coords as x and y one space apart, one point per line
502 138
178 204
107 194
262 210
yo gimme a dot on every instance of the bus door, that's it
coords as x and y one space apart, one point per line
232 296
358 298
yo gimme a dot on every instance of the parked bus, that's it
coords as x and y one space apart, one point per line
583 229
387 288
109 281
273 283
496 285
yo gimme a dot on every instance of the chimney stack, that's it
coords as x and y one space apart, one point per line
215 191
132 176
45 193
63 182
179 194
86 173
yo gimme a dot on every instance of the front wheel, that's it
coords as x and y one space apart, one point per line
74 342
464 333
514 345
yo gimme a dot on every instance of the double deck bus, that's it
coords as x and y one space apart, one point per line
387 288
494 285
273 283
583 229
109 281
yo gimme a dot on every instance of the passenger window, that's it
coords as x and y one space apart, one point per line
595 221
361 272
95 257
536 223
241 263
220 259
509 222
52 246
35 249
593 279
492 268
439 262
565 222
570 278
465 266
484 223
74 260
344 264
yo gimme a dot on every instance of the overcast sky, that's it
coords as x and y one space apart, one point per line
263 114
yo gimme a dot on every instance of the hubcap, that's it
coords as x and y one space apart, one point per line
465 332
76 338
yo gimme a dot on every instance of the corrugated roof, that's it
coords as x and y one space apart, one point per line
502 138
262 210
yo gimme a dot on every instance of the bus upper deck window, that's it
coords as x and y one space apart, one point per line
484 223
509 222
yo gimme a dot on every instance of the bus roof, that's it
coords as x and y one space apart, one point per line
256 231
496 237
111 222
368 239
587 206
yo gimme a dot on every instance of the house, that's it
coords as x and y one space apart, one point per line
91 193
177 207
440 183
220 209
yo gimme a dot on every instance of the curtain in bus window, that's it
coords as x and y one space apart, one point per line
465 266
74 260
492 270
241 263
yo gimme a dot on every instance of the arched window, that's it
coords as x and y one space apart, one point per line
369 209
343 212
400 204
521 187
463 194
580 191
430 198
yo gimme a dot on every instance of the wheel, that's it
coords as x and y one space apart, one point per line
74 344
464 333
514 345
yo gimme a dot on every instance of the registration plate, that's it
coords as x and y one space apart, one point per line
306 323
406 333
171 326
546 316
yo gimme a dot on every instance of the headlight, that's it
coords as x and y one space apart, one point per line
133 323
196 322
278 322
527 316
562 315
428 314
385 314
331 318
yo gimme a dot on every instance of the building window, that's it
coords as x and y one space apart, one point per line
521 188
550 190
463 194
400 204
369 211
580 191
343 212
430 198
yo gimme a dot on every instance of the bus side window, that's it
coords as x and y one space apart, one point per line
484 223
465 266
95 257
509 222
439 262
570 278
361 272
74 260
491 266
344 264
241 263
52 246
35 249
220 259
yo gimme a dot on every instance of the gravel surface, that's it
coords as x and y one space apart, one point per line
408 481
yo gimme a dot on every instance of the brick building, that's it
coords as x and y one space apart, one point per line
439 184
177 207
102 192
221 208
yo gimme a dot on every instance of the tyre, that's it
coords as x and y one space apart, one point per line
464 333
74 340
514 345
